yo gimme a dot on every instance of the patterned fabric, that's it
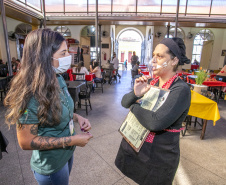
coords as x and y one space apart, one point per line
166 85
150 137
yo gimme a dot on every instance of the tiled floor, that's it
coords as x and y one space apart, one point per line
203 162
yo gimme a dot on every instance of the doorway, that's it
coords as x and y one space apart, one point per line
129 40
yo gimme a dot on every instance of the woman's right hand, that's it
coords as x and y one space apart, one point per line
141 86
82 139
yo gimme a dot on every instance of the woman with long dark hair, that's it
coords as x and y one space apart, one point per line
97 71
39 104
80 69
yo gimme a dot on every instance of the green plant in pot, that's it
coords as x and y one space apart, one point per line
201 76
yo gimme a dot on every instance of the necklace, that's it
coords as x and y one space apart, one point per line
167 84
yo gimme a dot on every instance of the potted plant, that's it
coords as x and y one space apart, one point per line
201 77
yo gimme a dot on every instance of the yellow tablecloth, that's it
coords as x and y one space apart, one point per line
204 108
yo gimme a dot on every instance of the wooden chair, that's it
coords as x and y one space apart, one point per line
99 83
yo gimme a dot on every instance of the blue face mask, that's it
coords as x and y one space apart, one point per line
64 64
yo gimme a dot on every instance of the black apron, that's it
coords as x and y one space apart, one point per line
156 163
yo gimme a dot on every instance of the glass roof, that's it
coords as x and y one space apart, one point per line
187 8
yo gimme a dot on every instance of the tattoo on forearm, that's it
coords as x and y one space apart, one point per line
20 127
34 130
46 143
67 141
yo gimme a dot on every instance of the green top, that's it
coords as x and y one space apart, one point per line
50 161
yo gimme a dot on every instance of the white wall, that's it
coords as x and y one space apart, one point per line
11 25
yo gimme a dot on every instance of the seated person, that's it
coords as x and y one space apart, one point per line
14 64
108 68
3 69
2 63
136 68
91 66
96 71
18 65
80 69
195 62
108 65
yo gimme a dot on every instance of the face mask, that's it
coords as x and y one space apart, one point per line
151 67
64 64
162 66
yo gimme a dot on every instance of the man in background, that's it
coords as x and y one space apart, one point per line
115 62
134 59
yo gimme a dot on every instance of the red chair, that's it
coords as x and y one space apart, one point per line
145 72
89 77
69 72
191 81
212 75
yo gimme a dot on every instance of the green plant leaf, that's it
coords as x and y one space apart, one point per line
201 76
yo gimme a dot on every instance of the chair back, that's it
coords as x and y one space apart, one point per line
3 71
79 76
103 74
108 72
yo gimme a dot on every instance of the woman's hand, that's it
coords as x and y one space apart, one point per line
82 139
141 86
83 122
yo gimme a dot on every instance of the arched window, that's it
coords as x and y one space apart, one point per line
23 29
203 35
180 33
90 31
65 31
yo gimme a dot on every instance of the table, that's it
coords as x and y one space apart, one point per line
215 84
74 88
204 108
180 73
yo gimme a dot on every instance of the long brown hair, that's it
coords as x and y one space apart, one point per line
37 79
